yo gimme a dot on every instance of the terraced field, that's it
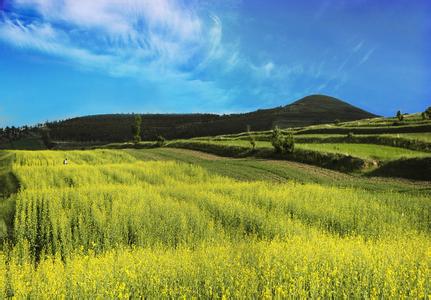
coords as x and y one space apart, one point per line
147 223
367 151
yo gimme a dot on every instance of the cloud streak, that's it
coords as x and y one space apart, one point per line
122 37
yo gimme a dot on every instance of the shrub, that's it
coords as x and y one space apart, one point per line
288 143
136 129
161 141
400 116
428 112
282 143
276 140
251 139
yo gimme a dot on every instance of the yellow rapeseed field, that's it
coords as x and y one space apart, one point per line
110 226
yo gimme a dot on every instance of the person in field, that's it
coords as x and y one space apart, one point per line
65 161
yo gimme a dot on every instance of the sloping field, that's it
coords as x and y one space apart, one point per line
366 151
110 225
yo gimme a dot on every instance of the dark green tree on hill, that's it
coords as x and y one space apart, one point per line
288 143
46 138
282 143
251 138
136 129
160 141
276 140
400 116
428 112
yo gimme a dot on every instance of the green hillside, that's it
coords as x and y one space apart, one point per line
314 109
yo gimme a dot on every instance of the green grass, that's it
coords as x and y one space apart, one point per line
367 151
420 136
250 169
242 143
8 185
29 143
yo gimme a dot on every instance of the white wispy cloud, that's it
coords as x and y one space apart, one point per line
367 56
122 37
358 46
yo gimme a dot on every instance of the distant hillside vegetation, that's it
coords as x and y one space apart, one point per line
314 109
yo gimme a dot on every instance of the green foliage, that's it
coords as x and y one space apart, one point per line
282 143
288 143
161 141
116 128
337 122
46 138
428 112
136 129
277 140
251 169
251 138
400 116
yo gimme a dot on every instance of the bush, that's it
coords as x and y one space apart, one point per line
136 129
288 143
428 112
251 139
276 140
400 116
282 143
161 141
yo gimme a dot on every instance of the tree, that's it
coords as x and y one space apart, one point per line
46 138
136 129
251 138
423 115
161 141
288 143
276 140
282 144
400 116
428 112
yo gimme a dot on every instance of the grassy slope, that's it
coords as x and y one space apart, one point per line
422 136
8 185
365 151
30 143
250 169
8 182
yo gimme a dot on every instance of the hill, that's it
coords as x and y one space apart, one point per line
311 110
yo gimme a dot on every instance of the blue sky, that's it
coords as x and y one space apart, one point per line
61 59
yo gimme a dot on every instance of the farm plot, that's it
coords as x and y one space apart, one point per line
108 225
